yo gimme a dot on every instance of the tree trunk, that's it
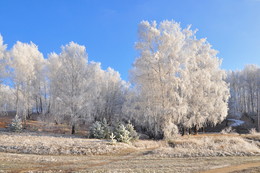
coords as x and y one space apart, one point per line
73 129
226 123
36 105
41 109
183 131
190 131
258 112
196 128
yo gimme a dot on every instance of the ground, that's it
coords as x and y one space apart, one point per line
45 150
138 161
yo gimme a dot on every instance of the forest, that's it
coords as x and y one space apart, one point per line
176 85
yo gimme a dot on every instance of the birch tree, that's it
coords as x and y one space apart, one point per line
69 83
174 79
108 93
209 95
24 63
6 96
3 58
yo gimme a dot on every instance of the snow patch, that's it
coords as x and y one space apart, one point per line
236 122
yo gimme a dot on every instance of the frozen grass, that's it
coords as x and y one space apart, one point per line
188 146
208 146
253 137
32 143
253 132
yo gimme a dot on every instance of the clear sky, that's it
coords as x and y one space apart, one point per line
108 28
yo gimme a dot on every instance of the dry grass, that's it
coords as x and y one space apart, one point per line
208 146
5 120
33 143
188 146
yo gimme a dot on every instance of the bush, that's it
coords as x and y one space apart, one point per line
227 130
16 125
253 131
170 131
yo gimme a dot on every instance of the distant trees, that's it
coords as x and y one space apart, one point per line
109 96
177 80
245 92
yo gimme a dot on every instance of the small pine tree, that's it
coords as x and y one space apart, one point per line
97 130
100 130
16 125
122 134
106 129
133 134
113 139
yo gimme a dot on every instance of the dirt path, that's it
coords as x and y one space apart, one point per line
116 158
234 168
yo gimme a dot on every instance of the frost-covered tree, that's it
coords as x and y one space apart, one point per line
4 90
3 58
69 83
208 92
177 80
25 64
16 124
7 99
109 95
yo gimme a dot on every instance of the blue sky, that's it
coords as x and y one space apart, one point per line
108 28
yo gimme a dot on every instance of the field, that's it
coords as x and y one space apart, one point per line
50 151
138 161
32 152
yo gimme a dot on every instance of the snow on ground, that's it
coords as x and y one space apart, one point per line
236 122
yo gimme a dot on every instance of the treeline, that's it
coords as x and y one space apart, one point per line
245 92
176 84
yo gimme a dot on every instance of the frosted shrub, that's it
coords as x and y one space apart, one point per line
170 131
253 131
16 125
122 134
227 130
